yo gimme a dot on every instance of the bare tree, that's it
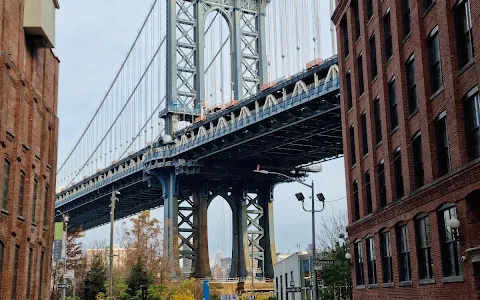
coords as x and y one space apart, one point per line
332 230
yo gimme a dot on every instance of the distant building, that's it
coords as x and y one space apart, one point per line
186 263
295 267
119 256
226 264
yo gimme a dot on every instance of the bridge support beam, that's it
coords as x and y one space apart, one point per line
200 239
268 240
240 262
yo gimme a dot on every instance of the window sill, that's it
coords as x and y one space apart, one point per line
360 287
350 110
426 281
452 279
370 20
379 144
34 224
405 39
374 79
20 218
405 283
387 285
358 39
353 166
394 130
438 92
373 286
346 57
365 156
4 211
389 60
45 228
428 9
413 114
466 67
361 96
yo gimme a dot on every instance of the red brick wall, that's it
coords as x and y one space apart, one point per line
28 132
449 188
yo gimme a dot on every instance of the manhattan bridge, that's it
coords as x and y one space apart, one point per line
209 90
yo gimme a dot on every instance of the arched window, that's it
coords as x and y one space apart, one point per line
386 252
359 263
403 253
6 180
424 247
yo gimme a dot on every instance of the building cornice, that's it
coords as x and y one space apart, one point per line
339 11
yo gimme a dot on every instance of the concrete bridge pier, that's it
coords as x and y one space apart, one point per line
200 239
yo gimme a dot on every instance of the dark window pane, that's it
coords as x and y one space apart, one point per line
382 184
443 156
418 161
424 251
369 9
352 146
368 192
346 48
15 272
434 63
403 254
378 121
356 200
373 57
385 248
356 16
6 180
427 4
364 134
397 165
387 27
372 267
348 82
412 87
359 263
463 26
472 125
450 250
45 208
21 193
34 201
406 21
29 273
361 87
42 270
392 98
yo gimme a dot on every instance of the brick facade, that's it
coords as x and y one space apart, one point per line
28 141
458 186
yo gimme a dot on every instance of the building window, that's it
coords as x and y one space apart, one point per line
373 57
281 287
411 86
392 99
356 16
42 268
2 247
21 193
471 105
424 248
463 26
348 82
449 247
356 201
397 165
369 9
372 267
286 285
368 192
344 29
359 263
378 121
406 21
385 248
34 200
427 4
382 184
15 272
387 27
364 134
361 87
6 180
418 161
434 61
29 274
353 157
45 208
443 155
403 253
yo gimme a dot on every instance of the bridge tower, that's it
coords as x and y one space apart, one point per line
185 95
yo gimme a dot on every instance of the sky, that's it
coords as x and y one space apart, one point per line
92 39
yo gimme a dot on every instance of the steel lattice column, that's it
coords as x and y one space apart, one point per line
185 52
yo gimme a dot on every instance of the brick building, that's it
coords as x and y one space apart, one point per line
28 147
410 117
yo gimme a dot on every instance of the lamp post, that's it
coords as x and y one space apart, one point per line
301 198
66 218
144 286
86 290
113 199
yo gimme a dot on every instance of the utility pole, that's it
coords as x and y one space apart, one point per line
113 199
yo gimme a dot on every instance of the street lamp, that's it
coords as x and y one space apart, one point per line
454 224
348 256
144 286
301 197
113 199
